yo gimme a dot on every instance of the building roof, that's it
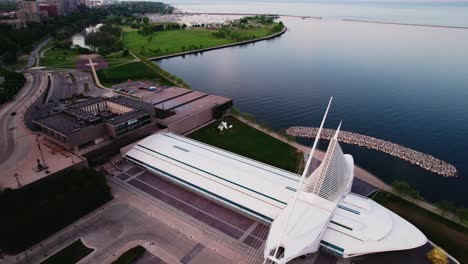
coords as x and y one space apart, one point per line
132 103
350 226
237 179
87 102
127 117
74 117
62 123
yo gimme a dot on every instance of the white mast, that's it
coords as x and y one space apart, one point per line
306 169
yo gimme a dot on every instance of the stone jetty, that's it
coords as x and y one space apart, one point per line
425 161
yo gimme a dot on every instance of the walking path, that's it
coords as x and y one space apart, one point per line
98 82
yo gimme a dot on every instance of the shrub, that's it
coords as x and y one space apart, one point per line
437 256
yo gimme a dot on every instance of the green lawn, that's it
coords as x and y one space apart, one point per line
250 142
130 256
73 253
59 58
451 237
174 41
122 73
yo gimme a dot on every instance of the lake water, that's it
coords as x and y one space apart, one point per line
405 84
79 38
435 12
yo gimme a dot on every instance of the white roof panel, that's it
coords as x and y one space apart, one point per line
235 178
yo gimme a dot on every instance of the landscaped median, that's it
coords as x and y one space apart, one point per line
131 255
38 210
72 253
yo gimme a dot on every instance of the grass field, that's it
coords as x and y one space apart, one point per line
59 58
250 142
130 256
175 41
73 253
451 237
116 59
119 74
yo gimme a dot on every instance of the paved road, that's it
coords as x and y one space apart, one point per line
34 55
36 82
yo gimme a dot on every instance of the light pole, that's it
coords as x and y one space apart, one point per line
40 150
16 175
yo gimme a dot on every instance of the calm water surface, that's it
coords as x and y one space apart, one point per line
405 84
434 12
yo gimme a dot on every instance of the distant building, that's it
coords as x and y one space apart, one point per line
48 10
15 23
59 5
29 11
96 120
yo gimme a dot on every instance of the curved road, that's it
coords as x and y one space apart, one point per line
35 83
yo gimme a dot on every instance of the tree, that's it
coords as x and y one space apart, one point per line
462 213
445 206
145 20
125 53
401 187
414 194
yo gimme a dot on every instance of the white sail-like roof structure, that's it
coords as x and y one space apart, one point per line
328 215
308 212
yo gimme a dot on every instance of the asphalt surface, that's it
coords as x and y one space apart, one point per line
34 55
35 80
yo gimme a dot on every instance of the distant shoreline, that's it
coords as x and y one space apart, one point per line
242 14
403 24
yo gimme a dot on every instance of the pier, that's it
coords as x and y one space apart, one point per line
425 161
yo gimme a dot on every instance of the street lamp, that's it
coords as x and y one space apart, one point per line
40 150
16 175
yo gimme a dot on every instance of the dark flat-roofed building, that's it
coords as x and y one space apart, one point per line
95 120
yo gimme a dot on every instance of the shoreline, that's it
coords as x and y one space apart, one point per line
243 14
403 24
218 47
360 173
